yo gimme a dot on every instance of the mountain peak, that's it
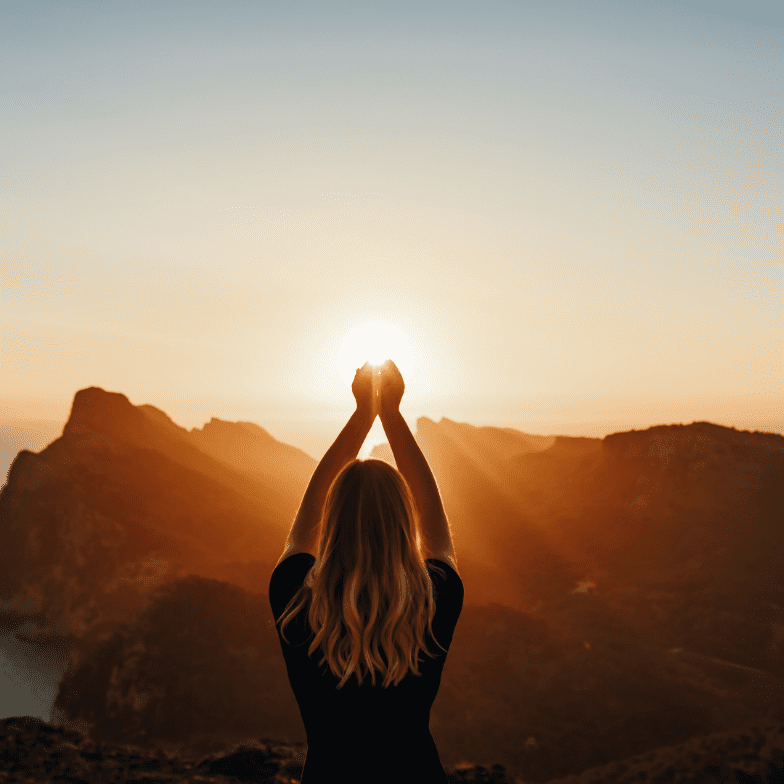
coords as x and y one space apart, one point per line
216 427
162 418
701 443
94 407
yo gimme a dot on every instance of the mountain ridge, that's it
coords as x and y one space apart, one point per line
620 592
100 489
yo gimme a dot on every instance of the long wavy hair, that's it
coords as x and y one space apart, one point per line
371 597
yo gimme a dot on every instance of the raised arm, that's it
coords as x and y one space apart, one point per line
413 465
304 531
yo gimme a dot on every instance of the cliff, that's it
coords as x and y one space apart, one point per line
622 593
126 500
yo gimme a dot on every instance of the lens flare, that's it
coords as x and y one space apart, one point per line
374 342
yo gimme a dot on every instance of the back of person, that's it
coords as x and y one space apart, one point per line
364 728
366 597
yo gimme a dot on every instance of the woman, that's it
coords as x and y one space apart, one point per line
365 598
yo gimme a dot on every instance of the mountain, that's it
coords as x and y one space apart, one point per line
383 452
622 594
677 528
200 669
248 448
519 566
126 500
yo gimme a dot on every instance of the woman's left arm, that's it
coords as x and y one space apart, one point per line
304 530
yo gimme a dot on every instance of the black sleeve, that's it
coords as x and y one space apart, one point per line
449 596
286 579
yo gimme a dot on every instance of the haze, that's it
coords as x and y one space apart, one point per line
572 210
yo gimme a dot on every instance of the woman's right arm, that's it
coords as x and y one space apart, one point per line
414 468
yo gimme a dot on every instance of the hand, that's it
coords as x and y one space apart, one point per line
390 387
364 389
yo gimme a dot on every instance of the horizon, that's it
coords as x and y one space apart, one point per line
26 424
586 569
557 217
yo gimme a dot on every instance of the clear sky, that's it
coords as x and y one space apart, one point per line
573 209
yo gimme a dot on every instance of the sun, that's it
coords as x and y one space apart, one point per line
374 341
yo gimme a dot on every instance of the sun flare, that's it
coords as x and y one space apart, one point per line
374 341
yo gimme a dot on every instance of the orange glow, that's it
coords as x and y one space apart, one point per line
375 342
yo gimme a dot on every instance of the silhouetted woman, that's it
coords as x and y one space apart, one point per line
365 598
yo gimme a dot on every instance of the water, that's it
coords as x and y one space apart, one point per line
29 676
29 673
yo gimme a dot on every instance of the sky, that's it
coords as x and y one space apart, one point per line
571 210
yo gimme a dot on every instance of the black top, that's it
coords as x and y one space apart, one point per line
365 733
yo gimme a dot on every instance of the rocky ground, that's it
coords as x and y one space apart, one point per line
35 752
751 756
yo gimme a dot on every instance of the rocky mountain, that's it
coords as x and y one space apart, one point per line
622 594
200 669
197 669
250 449
677 529
126 500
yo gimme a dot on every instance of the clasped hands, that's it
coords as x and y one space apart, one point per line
378 389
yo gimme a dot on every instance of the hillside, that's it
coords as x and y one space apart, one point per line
622 594
675 530
126 500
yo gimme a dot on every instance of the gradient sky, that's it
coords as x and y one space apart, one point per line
573 209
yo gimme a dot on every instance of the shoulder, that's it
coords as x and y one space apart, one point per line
290 552
444 560
449 593
292 563
444 573
287 577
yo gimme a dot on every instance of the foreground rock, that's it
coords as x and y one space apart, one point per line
33 751
751 756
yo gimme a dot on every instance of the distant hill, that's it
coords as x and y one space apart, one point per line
622 594
125 500
678 526
200 668
383 452
248 448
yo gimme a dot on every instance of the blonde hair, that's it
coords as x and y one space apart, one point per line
369 589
